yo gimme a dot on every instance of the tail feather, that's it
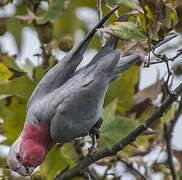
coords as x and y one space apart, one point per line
123 64
108 63
52 80
113 41
110 44
82 46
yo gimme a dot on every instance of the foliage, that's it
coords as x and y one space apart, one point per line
125 105
121 125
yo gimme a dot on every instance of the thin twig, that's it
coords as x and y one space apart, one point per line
106 172
45 57
169 73
168 38
147 64
110 151
132 169
179 53
86 175
99 10
152 48
164 58
93 174
168 134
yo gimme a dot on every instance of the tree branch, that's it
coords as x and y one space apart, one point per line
168 134
165 59
45 57
106 172
88 160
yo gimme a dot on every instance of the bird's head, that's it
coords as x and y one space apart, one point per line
29 150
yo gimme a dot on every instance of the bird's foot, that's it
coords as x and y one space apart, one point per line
95 134
95 128
94 131
92 151
93 148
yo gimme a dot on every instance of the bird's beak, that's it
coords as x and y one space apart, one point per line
25 170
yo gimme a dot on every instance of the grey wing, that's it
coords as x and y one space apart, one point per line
108 47
84 97
94 80
123 64
53 79
60 73
74 117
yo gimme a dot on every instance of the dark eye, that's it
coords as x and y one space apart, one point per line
18 157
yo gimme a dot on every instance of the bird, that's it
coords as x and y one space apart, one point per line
67 103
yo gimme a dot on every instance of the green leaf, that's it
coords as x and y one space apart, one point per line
38 176
142 21
2 163
167 20
146 113
77 178
38 73
174 18
126 31
61 28
21 8
129 3
155 33
13 113
5 73
123 89
15 27
148 13
52 62
154 24
114 127
54 11
57 159
170 15
168 116
28 68
21 86
10 62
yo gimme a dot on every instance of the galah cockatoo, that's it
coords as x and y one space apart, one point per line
67 103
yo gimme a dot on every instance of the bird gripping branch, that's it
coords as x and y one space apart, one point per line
66 104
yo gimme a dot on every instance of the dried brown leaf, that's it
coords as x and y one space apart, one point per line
150 131
178 155
177 68
150 93
106 161
132 47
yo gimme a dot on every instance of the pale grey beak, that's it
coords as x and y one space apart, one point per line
25 170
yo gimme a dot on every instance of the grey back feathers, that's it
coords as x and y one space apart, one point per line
70 102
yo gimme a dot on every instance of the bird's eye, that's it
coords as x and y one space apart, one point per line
18 157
